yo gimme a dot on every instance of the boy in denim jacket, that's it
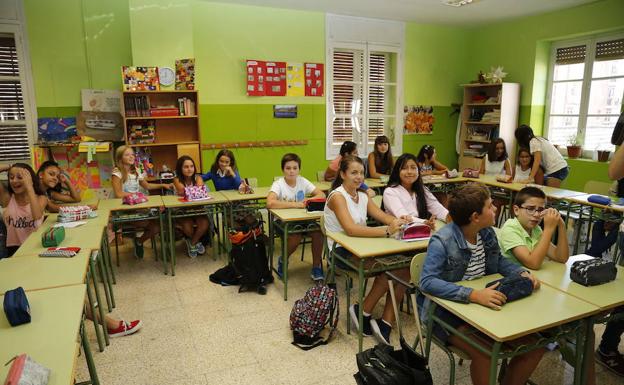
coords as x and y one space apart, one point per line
468 249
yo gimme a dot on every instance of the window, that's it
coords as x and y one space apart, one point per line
586 89
363 85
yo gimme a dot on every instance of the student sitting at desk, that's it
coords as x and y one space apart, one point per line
24 203
346 210
467 249
380 161
496 162
521 238
347 148
427 162
522 171
194 228
127 180
224 173
53 181
289 192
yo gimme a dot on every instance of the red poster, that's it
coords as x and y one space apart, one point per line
256 78
275 78
314 79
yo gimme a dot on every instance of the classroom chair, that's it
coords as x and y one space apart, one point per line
320 176
253 182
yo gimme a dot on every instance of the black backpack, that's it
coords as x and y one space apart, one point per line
249 258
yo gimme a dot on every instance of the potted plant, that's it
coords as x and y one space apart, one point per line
603 154
574 147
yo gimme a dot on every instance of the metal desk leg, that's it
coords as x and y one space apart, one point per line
96 324
215 247
88 356
271 239
285 260
108 290
107 259
172 251
92 268
494 362
163 242
580 228
360 303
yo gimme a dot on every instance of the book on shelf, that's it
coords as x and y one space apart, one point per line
187 107
142 132
137 106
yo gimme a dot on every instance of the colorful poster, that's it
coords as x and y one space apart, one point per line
140 78
314 79
185 74
294 79
276 78
101 100
256 73
418 120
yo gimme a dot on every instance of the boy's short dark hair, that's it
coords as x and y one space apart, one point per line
466 200
289 158
528 193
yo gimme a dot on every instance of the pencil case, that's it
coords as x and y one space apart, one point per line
593 272
16 307
599 199
25 370
514 287
53 236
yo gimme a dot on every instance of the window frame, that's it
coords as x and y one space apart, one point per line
365 35
590 42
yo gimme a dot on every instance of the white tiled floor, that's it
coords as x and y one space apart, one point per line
198 333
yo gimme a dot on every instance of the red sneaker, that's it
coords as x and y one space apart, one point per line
125 328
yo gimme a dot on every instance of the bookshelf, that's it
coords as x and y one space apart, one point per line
165 123
489 111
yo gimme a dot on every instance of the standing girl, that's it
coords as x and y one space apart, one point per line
346 210
380 161
288 192
24 203
224 173
427 163
545 154
126 180
196 227
496 161
52 181
522 171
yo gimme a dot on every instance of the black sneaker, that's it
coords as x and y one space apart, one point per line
353 312
613 361
381 330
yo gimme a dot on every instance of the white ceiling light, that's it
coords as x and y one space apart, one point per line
456 3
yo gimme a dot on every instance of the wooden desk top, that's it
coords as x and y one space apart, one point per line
490 180
88 237
173 201
545 308
582 199
116 204
51 337
36 273
101 219
557 275
432 179
294 215
560 193
235 196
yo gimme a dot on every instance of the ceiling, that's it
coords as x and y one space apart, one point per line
423 11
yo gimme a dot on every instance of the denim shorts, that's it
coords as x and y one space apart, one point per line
559 174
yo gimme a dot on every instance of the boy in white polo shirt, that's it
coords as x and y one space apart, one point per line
523 241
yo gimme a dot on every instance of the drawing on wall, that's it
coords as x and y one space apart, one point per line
418 120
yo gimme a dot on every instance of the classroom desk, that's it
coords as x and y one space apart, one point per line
176 208
87 237
517 319
242 203
51 337
323 186
150 210
290 221
366 249
375 183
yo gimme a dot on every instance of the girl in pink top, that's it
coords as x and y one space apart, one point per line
24 203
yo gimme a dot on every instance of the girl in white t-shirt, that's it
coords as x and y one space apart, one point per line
545 154
346 210
496 161
522 172
291 192
127 180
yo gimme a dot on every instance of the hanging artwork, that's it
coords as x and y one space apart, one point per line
418 120
256 73
275 78
140 78
314 79
185 74
294 79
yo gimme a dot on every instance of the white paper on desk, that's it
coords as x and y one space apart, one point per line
70 225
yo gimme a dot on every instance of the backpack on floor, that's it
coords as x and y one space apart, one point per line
249 256
309 315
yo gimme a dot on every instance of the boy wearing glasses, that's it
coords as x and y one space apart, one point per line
521 238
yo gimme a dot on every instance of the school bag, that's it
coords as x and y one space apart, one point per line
318 307
249 257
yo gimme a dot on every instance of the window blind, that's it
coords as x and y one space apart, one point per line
610 50
13 129
571 55
376 95
347 94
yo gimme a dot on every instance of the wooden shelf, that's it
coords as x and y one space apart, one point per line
484 123
160 144
478 140
483 104
161 117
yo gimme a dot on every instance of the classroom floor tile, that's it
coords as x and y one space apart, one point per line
198 333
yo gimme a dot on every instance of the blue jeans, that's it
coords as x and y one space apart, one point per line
559 174
612 334
600 241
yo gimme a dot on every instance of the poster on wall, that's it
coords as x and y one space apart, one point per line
314 79
418 120
256 72
101 100
275 80
140 78
185 74
294 79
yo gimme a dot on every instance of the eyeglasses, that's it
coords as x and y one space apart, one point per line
531 210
